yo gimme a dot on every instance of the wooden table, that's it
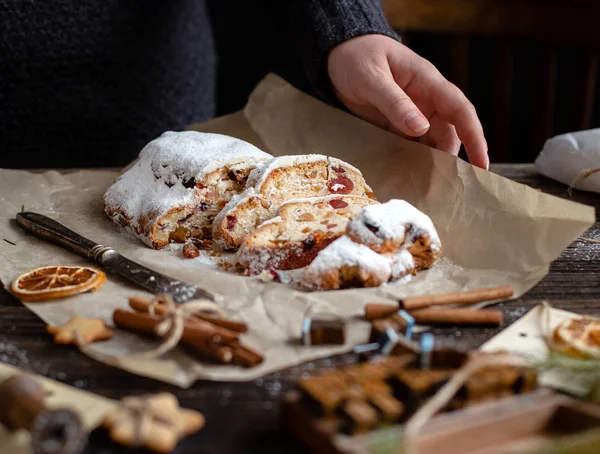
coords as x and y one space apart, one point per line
244 417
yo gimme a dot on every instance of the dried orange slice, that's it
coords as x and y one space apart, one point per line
53 282
578 337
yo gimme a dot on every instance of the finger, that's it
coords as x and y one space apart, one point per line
454 107
382 92
442 135
370 114
373 116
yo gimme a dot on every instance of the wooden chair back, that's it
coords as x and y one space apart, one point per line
507 24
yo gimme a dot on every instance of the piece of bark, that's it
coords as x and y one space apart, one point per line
358 417
323 394
325 332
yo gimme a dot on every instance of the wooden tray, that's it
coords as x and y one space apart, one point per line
520 424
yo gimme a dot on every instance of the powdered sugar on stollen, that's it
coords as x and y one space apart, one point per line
397 221
176 156
335 162
345 252
402 264
162 177
261 172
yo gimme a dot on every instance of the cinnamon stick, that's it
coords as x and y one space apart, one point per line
220 353
202 332
458 317
460 298
140 304
246 357
238 327
376 311
204 341
143 305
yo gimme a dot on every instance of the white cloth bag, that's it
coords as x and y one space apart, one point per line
564 157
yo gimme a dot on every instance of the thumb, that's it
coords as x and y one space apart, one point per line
384 94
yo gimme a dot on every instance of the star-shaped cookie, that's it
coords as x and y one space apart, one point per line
156 422
82 330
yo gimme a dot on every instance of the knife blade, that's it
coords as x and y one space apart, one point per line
50 230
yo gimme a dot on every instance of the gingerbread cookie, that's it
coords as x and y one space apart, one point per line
80 330
155 422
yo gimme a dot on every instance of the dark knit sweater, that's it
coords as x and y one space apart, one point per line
89 82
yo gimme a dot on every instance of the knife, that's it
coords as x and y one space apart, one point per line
50 230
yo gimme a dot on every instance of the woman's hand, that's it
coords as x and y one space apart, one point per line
384 82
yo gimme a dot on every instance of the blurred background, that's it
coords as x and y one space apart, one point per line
530 67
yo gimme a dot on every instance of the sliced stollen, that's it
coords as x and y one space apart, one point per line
178 184
279 180
402 264
302 228
390 226
345 264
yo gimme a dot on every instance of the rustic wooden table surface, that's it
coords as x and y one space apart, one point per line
244 417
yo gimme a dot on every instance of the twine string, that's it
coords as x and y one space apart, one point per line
170 329
583 175
140 412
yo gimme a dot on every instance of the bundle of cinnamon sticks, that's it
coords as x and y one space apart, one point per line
212 337
432 310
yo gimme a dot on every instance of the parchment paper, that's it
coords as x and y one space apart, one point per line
90 407
493 231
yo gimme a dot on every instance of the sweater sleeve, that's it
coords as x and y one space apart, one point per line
320 25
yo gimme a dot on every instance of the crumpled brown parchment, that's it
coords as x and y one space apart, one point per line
494 232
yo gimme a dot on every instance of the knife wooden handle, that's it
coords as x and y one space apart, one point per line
50 230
